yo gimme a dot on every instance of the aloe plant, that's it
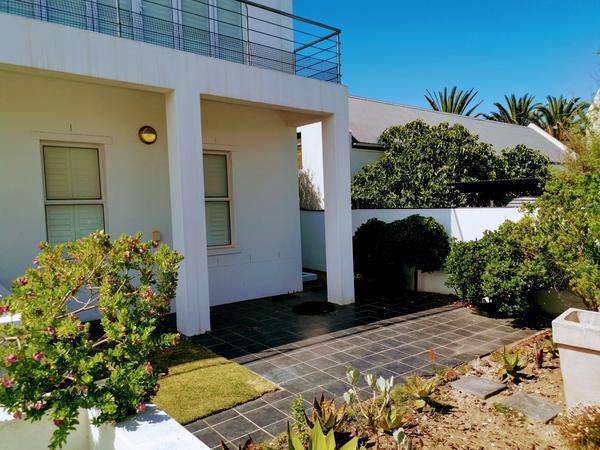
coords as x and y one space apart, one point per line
326 414
419 390
511 365
318 440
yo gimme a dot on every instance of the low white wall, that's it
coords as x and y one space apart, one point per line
151 430
464 224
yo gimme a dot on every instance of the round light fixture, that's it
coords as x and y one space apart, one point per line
147 135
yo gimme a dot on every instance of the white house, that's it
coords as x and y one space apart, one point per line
223 84
369 118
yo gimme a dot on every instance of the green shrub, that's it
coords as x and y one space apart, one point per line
383 251
53 363
496 271
421 241
373 256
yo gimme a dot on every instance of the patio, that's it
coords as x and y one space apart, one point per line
309 354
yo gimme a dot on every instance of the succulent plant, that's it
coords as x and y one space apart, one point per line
420 390
318 440
326 414
511 365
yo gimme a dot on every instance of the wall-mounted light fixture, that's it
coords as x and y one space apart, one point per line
147 134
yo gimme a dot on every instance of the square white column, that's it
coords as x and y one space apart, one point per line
338 210
186 181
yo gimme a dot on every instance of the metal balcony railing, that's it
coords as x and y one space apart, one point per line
235 30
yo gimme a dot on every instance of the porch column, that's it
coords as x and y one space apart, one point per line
186 181
338 212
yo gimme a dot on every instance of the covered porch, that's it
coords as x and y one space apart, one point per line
236 222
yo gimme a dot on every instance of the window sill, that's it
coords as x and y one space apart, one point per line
229 250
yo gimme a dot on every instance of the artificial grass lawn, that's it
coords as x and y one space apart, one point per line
200 383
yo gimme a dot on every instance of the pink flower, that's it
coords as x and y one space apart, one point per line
7 382
50 331
36 262
3 310
22 281
37 405
155 244
38 356
70 376
18 415
126 257
10 359
148 295
156 387
148 368
73 316
141 407
58 422
81 327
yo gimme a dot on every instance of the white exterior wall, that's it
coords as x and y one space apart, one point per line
135 176
464 224
266 259
312 154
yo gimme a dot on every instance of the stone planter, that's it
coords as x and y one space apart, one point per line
577 333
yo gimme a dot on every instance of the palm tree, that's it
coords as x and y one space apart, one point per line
520 111
456 102
559 115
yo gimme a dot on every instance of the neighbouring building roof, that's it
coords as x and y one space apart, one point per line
369 118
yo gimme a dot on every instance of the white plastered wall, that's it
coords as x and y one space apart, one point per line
135 176
266 259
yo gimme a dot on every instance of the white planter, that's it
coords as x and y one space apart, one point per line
577 333
151 430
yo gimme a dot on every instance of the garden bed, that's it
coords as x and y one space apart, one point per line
457 420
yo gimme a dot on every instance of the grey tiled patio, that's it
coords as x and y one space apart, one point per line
309 354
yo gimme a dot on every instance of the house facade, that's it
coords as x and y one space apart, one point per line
368 118
177 119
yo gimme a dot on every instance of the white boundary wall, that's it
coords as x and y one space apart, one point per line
463 224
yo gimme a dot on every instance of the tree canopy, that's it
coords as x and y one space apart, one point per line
422 161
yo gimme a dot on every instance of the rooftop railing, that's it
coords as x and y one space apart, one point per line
235 30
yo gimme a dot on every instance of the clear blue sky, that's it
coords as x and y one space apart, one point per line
395 50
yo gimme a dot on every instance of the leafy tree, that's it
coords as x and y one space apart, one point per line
559 115
455 102
519 111
421 162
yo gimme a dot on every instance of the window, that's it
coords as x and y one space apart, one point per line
217 199
74 205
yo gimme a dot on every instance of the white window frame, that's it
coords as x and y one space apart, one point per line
216 249
75 202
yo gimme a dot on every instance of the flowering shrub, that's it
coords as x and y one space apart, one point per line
53 363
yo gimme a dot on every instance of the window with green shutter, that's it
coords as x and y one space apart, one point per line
73 192
217 199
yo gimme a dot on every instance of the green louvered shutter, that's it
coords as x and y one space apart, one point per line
229 28
157 16
196 31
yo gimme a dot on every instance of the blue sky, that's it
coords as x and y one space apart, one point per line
395 50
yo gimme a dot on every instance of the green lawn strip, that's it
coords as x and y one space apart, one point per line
200 382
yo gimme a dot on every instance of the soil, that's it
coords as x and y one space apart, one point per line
470 423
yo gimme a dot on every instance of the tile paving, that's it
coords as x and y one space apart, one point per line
309 354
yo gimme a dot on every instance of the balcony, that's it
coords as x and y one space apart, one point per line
235 30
